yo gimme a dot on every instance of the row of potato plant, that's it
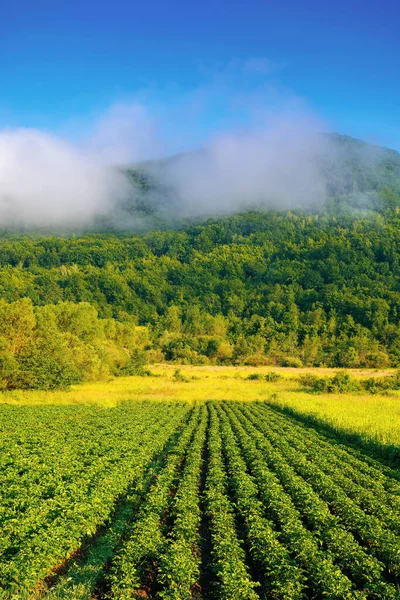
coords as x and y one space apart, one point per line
324 577
228 557
179 565
146 537
75 487
282 579
363 569
382 543
88 571
364 490
368 471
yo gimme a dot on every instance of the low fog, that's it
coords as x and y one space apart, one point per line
44 181
276 166
47 181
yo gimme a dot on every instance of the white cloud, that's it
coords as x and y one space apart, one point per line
125 133
46 181
274 165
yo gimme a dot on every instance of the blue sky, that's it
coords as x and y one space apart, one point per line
63 63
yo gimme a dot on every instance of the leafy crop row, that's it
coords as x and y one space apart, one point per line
146 537
179 568
323 575
364 469
365 570
366 490
368 528
52 503
282 578
217 501
228 556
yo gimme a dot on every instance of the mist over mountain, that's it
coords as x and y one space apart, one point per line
47 186
339 169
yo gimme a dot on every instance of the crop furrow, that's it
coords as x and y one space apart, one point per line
282 579
138 557
367 528
323 575
365 570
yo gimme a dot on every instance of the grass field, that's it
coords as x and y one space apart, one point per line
374 417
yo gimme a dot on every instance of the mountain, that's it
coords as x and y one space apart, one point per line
356 174
354 166
286 287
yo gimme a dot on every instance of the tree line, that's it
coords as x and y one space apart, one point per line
54 346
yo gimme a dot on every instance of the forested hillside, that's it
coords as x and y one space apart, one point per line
257 288
353 166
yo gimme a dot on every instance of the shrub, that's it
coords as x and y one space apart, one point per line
379 384
316 384
272 376
178 376
291 361
341 382
254 376
136 363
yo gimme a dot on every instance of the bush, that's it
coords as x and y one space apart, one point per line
272 376
178 376
136 363
291 361
374 385
341 382
316 384
254 376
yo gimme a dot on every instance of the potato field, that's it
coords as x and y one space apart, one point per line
180 501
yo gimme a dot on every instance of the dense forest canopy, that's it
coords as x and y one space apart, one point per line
315 287
259 287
